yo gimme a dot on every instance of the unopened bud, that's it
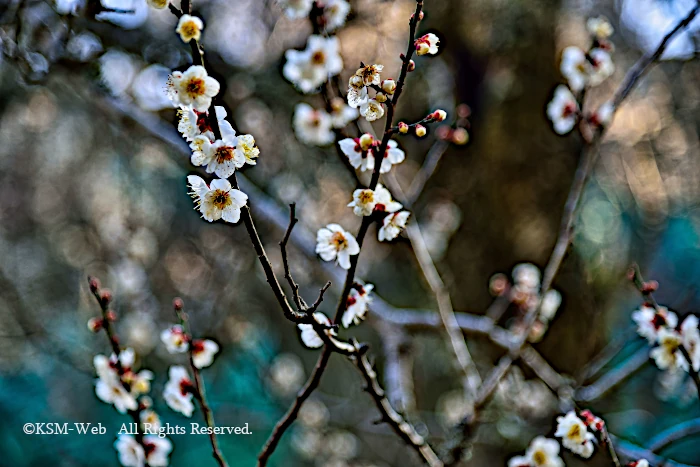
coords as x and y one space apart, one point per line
650 286
111 316
403 127
380 97
105 297
421 15
366 141
356 81
178 304
411 65
94 283
439 115
498 284
95 324
145 402
420 131
389 86
422 48
460 136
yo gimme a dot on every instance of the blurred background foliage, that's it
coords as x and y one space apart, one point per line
92 181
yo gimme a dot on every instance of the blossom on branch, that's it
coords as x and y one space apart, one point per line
367 75
335 12
341 113
563 110
220 201
542 452
203 352
360 152
175 339
599 27
650 321
309 336
575 435
189 28
366 201
296 8
308 69
193 87
392 225
157 450
357 304
372 110
178 391
333 243
427 44
313 126
602 66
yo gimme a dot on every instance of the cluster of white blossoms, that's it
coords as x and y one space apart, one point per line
308 69
315 126
120 390
153 451
660 328
582 70
578 435
193 91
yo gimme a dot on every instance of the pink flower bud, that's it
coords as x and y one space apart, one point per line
94 283
439 115
366 141
95 324
411 65
178 304
403 127
111 316
105 297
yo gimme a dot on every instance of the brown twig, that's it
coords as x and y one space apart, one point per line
200 394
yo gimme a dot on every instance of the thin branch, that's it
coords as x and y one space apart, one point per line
426 171
471 377
200 395
301 306
633 453
673 434
613 377
605 438
286 421
390 416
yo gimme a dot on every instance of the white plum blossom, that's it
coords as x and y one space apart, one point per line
335 12
575 435
371 110
602 66
542 452
175 339
341 113
112 391
333 243
157 450
222 157
309 336
150 418
649 321
203 351
691 340
296 8
599 27
313 126
563 110
192 123
575 67
364 159
308 69
392 225
189 28
178 391
129 451
218 201
193 87
604 115
427 44
366 201
357 85
357 304
667 355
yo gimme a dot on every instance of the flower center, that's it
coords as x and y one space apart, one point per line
189 29
658 321
224 153
221 199
195 86
568 110
539 457
339 241
318 58
366 196
574 432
